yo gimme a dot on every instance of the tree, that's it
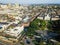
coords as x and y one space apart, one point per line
49 25
33 26
43 24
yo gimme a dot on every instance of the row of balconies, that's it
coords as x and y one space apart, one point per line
8 40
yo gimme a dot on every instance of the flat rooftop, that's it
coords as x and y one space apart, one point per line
14 31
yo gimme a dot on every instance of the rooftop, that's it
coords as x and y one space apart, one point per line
14 31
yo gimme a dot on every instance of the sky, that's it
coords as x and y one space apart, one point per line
31 1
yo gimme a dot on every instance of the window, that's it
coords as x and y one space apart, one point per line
15 29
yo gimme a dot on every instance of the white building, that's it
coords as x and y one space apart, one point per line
4 6
16 31
3 26
26 19
47 17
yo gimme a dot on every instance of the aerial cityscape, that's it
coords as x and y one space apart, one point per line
29 24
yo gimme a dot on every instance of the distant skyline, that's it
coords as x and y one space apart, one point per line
31 1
